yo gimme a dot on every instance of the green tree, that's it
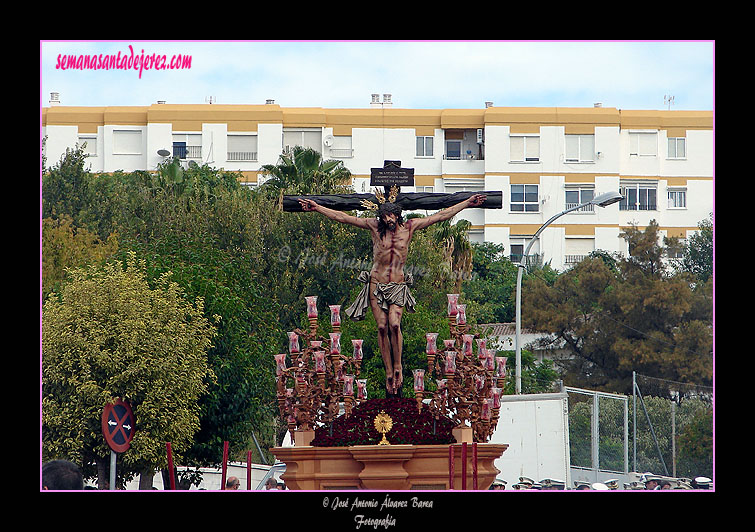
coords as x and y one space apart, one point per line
492 284
202 226
698 254
65 246
65 186
634 318
110 335
695 445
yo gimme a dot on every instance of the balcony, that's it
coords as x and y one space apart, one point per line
187 152
623 206
463 166
571 260
586 208
342 153
237 156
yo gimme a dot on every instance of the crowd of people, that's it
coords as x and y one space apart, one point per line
647 481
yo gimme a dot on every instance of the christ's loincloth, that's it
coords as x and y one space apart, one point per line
386 294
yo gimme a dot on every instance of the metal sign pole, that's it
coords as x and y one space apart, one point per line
118 425
113 456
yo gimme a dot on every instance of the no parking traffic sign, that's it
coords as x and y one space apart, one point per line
118 425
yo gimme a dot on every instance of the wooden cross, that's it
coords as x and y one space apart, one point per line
389 176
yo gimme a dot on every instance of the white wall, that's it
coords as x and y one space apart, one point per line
536 429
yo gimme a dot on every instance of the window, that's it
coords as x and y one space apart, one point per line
525 148
576 249
453 149
187 145
638 197
517 250
677 199
677 148
305 138
341 147
179 149
576 195
643 144
524 198
242 147
675 250
424 147
580 148
127 142
88 145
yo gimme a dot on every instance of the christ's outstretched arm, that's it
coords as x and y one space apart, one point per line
309 205
450 212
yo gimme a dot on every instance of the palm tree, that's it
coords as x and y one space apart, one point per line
303 171
457 250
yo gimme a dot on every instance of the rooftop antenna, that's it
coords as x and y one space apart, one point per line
667 101
210 99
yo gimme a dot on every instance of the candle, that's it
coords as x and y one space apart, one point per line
450 362
335 343
462 314
486 406
311 306
432 348
314 344
489 362
479 381
449 344
339 369
453 300
419 380
280 363
357 344
293 342
335 315
481 343
466 344
362 389
501 366
495 394
441 383
348 385
320 361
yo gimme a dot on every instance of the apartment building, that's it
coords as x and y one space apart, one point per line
544 160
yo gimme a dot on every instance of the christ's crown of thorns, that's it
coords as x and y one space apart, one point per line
371 206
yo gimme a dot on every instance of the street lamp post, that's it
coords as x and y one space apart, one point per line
602 200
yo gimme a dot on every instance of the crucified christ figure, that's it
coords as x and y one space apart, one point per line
386 288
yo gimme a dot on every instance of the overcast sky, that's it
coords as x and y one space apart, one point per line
418 74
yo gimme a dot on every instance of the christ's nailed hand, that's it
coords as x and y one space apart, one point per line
477 200
307 204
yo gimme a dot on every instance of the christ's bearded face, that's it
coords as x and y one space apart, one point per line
390 221
389 218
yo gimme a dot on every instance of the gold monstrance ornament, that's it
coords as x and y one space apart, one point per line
383 423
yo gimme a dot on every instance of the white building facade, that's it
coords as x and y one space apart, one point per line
544 160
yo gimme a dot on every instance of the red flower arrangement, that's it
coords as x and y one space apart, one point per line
409 426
